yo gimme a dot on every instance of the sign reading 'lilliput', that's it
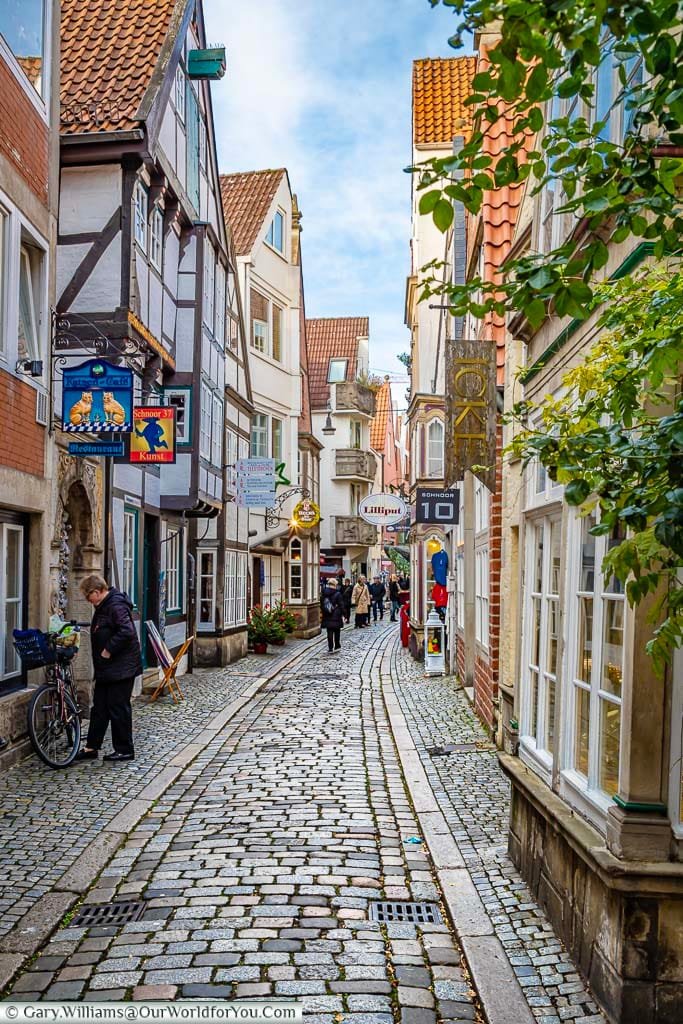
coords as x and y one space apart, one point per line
382 509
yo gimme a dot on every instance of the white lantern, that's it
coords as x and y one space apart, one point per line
435 636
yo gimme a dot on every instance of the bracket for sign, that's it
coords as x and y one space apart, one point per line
272 514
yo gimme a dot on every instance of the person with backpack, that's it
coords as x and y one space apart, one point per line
332 606
117 660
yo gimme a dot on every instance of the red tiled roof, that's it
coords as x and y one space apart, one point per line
440 88
247 197
109 50
332 338
380 421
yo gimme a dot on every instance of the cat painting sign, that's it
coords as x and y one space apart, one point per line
97 398
153 436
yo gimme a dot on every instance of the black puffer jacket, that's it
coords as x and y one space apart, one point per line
333 619
112 628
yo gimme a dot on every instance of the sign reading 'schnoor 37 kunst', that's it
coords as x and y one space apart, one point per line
471 411
97 398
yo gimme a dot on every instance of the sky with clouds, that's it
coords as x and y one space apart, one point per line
324 89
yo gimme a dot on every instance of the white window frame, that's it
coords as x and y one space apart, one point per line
259 336
179 92
435 449
296 572
482 497
277 429
4 267
217 428
205 624
242 570
38 97
333 376
179 398
460 589
205 421
230 589
32 323
129 556
271 237
481 596
6 647
202 142
259 433
140 203
208 311
230 458
219 329
356 434
174 569
156 239
581 790
535 729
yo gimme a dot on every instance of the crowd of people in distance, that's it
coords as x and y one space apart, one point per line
340 598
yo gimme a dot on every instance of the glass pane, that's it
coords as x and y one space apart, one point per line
13 565
555 530
21 24
587 581
533 703
553 636
12 612
582 725
550 715
585 639
615 586
613 644
536 627
610 724
538 568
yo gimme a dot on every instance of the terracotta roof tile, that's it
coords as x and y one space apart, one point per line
380 421
440 87
246 200
332 338
109 50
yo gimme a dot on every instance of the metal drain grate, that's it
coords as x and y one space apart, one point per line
405 913
100 914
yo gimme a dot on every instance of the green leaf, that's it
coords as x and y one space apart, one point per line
576 492
428 201
443 215
535 312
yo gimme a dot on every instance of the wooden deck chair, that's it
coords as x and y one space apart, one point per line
167 663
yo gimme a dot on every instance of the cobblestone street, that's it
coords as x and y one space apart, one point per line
259 862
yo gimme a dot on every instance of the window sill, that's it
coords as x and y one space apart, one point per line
276 251
592 804
538 760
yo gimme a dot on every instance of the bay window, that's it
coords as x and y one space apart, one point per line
174 561
295 571
259 436
276 439
435 449
235 589
207 588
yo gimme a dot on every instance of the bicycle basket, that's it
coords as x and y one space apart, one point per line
34 648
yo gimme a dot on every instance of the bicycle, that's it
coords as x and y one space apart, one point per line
54 714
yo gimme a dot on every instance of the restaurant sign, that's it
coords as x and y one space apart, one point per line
97 398
382 509
471 411
153 439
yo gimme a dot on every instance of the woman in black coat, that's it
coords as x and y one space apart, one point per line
117 660
346 593
332 605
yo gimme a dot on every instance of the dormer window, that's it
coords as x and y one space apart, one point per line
336 373
276 232
140 215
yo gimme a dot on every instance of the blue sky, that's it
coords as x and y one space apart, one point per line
323 89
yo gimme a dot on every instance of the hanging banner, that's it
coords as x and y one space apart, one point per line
153 437
471 411
97 398
306 514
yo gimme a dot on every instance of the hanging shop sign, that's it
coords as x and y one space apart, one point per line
382 509
153 437
112 449
471 411
306 514
441 508
97 398
255 483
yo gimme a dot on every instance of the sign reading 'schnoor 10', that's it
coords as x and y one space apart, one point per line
382 509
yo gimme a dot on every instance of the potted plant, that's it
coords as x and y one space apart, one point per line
284 617
277 634
260 628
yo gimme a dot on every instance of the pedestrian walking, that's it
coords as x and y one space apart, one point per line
332 605
361 599
117 660
394 591
377 594
347 595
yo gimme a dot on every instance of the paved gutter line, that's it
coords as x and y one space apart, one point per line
33 929
495 981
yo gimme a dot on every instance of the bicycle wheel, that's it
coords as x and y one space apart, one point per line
55 739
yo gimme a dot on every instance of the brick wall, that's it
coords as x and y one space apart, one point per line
22 440
23 133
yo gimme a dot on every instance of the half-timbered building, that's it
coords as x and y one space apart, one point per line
146 276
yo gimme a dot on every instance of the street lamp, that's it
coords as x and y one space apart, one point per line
328 428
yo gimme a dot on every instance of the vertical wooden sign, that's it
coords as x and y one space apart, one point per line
471 411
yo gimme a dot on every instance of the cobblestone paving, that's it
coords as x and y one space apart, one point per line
473 795
47 818
259 864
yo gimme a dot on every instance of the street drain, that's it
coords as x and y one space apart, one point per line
100 914
405 913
